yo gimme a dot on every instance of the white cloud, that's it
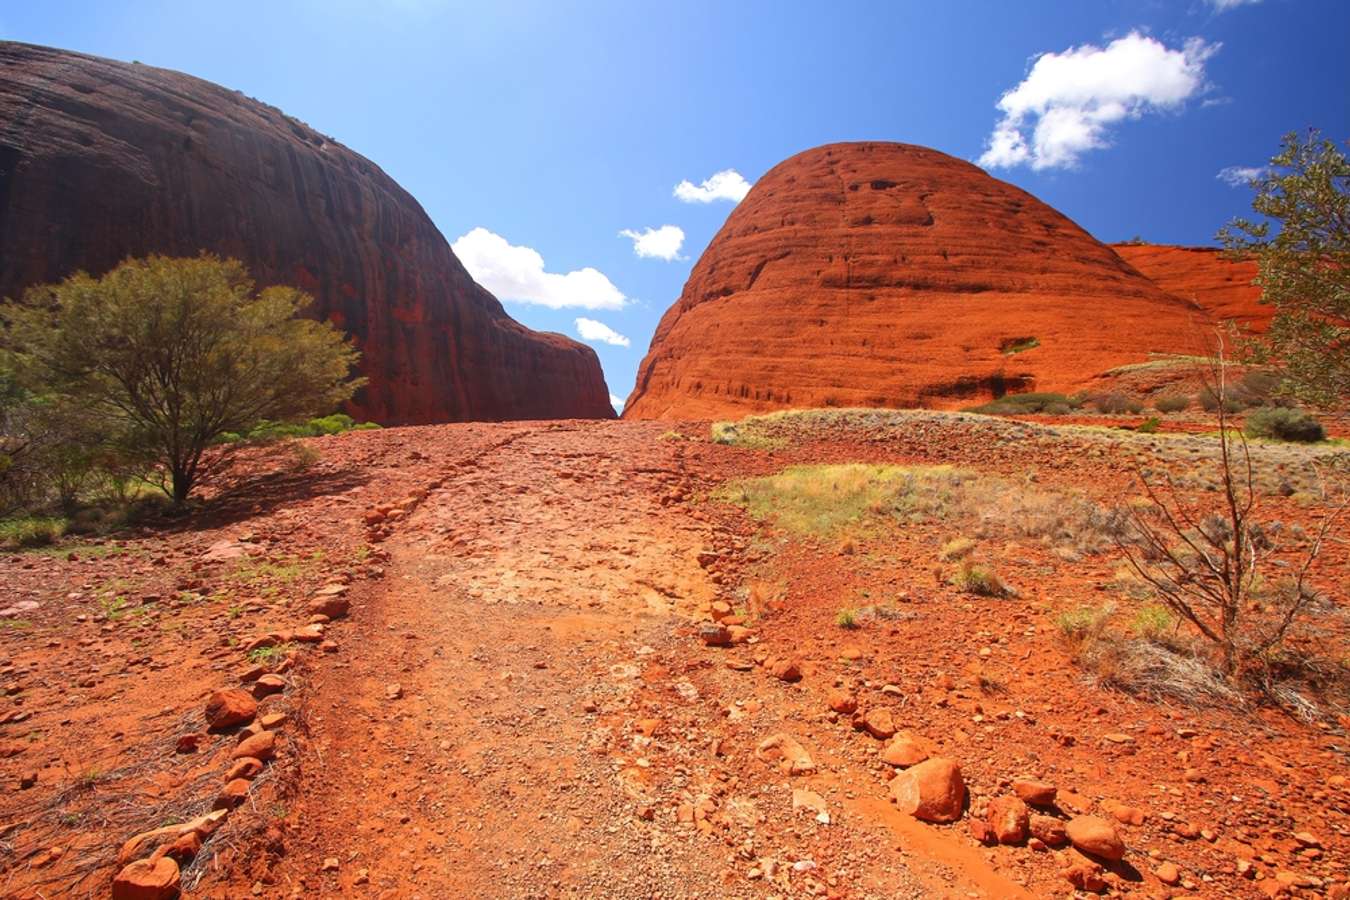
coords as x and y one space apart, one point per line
724 185
1225 5
517 273
591 330
1240 176
1065 104
617 402
657 243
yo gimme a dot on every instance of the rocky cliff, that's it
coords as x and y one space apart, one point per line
880 274
100 160
1221 286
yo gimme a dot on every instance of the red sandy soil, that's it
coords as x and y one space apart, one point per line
519 705
890 275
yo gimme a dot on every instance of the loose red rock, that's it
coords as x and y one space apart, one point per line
1096 836
147 879
932 791
228 708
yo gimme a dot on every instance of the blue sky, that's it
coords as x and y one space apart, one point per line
555 126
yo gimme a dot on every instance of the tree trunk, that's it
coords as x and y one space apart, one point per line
182 485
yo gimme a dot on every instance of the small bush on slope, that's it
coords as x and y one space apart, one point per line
1170 403
1282 424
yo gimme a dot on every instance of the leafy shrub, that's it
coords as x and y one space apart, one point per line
31 531
1024 404
1149 425
224 356
1284 424
1170 403
269 432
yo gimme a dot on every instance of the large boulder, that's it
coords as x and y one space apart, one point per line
881 274
101 160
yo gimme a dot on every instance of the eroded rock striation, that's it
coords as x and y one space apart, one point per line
883 274
100 160
1221 286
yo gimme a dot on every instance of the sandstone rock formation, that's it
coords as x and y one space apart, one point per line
100 160
1222 287
879 274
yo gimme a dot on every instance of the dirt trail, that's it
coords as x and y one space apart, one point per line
528 710
519 702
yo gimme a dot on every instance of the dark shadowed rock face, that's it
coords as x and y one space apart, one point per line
100 160
880 274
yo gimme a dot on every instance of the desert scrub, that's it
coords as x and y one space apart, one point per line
855 498
31 531
1206 559
847 618
1158 665
829 499
746 434
1129 584
1117 403
980 580
1153 622
1208 398
1283 424
1083 623
956 548
1025 404
1170 403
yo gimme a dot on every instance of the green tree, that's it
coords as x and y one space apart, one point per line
1302 246
173 353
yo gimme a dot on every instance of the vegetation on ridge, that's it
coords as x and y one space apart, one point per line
137 373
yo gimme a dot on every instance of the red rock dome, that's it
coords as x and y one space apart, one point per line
881 274
1221 286
101 160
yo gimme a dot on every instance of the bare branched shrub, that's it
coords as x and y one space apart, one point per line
1204 560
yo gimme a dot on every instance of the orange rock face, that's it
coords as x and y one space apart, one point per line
878 274
101 160
1222 287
